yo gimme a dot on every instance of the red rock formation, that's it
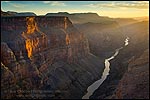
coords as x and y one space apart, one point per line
40 47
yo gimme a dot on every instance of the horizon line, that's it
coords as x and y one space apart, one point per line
72 13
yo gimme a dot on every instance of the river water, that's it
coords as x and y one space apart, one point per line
97 83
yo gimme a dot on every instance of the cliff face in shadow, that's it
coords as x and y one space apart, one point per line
135 82
45 57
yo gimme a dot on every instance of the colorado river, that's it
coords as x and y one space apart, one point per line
96 84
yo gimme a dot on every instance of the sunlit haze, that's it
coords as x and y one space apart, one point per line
103 8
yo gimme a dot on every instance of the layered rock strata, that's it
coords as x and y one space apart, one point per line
45 57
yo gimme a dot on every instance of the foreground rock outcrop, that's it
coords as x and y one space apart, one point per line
45 57
135 82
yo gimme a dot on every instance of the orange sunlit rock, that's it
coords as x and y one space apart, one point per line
67 40
29 47
31 25
65 22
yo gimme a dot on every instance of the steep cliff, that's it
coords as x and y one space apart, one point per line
45 57
135 82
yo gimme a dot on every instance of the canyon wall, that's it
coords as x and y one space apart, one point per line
45 57
135 82
103 33
30 35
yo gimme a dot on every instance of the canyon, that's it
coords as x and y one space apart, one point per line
58 56
45 53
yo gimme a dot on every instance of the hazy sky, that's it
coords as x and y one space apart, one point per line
103 8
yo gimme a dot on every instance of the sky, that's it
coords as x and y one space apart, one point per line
115 9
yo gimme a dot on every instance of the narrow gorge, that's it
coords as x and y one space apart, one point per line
97 83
